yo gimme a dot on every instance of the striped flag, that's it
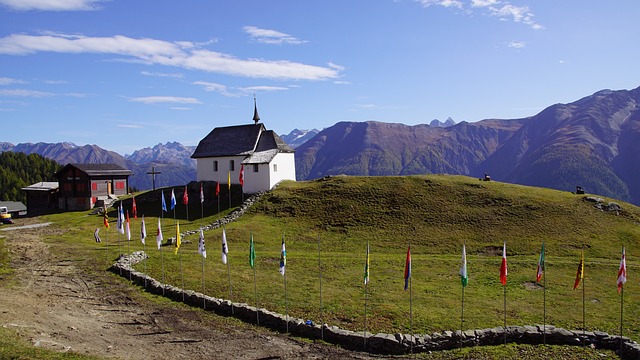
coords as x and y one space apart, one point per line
96 236
503 265
407 268
622 271
143 231
159 235
201 250
225 249
173 199
283 258
241 176
580 273
540 264
366 266
464 277
105 217
120 220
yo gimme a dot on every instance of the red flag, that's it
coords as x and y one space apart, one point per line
241 178
217 188
503 266
622 271
134 209
185 196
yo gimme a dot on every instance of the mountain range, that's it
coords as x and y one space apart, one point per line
593 142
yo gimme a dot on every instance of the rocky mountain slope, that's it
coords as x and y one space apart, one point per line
592 142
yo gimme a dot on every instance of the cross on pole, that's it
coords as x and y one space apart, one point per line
153 173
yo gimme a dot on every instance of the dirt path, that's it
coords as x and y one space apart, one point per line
58 305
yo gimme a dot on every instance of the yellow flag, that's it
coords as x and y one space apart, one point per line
229 179
178 239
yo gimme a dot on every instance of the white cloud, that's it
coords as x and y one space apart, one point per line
518 14
52 5
180 108
129 126
516 44
9 81
445 3
483 3
183 54
499 8
237 91
165 99
266 36
24 93
169 75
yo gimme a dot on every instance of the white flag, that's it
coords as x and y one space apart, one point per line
128 227
143 231
96 236
225 249
201 250
159 237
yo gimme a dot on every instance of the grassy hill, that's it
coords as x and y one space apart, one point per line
437 214
326 224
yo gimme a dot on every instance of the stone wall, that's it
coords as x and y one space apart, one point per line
380 343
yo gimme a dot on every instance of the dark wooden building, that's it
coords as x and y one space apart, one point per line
42 197
83 186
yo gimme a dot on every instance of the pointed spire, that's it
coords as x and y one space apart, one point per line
256 117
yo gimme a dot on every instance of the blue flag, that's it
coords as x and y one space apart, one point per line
164 204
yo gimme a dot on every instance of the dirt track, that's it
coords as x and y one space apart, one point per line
56 304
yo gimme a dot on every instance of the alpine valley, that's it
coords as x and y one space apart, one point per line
593 142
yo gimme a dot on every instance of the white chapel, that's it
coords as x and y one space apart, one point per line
263 157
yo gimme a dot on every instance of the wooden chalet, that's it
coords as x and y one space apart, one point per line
84 186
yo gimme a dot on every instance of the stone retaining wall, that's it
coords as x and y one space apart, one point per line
380 343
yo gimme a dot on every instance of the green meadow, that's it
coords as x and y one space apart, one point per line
327 223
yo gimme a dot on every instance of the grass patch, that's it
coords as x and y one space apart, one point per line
13 347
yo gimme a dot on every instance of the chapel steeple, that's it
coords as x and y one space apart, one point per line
256 117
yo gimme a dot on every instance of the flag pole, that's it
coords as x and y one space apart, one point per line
204 299
462 316
410 308
544 306
505 313
621 306
129 244
583 303
230 289
366 288
286 304
320 276
255 292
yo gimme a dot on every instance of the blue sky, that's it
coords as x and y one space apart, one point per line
131 74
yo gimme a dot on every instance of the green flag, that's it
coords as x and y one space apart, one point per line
252 253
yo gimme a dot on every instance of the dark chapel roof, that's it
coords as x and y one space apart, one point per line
253 141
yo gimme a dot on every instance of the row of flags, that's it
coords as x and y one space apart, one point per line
464 276
123 226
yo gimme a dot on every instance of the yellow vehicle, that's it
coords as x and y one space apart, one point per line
5 216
